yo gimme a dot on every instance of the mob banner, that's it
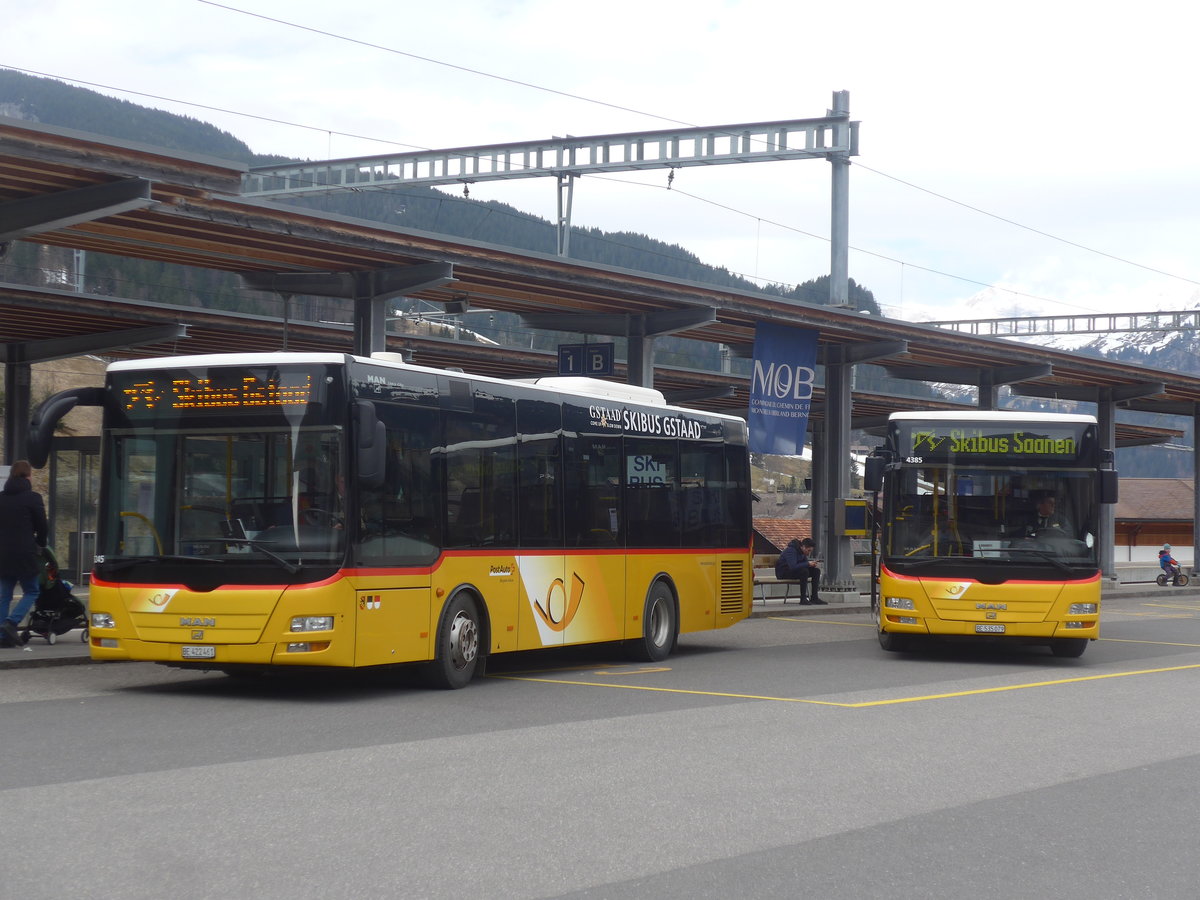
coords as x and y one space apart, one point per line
781 388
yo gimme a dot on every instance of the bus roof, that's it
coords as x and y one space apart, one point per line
983 415
224 359
592 388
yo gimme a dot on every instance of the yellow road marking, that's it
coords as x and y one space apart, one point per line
866 704
810 621
644 670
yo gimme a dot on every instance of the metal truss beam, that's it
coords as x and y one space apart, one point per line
1090 323
821 138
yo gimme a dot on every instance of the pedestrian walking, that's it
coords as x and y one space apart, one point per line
22 539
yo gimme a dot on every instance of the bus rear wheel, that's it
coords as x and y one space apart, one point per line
660 625
458 648
1068 647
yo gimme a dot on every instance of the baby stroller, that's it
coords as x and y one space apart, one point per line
56 610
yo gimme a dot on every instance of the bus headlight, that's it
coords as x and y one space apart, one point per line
899 603
103 620
1084 609
312 623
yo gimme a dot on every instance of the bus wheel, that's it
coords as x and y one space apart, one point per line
894 643
1068 647
457 646
660 625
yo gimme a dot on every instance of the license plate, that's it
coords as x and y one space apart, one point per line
199 652
989 629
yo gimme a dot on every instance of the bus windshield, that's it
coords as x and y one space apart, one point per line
273 495
1036 517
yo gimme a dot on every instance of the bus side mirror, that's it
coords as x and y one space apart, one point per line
370 444
1108 486
49 413
873 473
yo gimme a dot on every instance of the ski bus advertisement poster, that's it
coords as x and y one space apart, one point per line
781 388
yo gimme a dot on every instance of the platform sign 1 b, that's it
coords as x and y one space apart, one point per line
591 360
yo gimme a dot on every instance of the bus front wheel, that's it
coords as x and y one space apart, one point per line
1068 647
894 643
458 646
660 625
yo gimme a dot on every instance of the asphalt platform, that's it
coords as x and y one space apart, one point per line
69 649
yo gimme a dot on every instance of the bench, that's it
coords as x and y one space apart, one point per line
767 561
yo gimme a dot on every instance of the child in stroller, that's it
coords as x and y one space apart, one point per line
56 610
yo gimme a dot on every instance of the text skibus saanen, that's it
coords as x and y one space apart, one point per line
989 528
327 510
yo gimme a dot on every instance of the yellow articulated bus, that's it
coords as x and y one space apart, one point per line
327 510
989 524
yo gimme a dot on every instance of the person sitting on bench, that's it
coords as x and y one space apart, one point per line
796 564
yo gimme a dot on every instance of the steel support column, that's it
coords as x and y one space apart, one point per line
839 235
1106 527
1195 486
640 329
368 288
19 358
566 198
17 378
839 361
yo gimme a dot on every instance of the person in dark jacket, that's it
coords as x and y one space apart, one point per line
795 563
22 538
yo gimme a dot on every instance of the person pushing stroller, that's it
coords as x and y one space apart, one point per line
23 532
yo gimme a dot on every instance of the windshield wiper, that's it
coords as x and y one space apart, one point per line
290 567
1044 554
121 563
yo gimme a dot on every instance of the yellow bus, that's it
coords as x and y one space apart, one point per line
989 524
316 509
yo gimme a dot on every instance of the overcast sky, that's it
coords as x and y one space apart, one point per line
1049 149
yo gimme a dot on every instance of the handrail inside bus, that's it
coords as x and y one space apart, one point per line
153 531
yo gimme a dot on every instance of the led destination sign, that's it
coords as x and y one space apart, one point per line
213 391
971 443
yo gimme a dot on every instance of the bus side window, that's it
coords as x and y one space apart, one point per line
652 492
702 494
539 474
591 476
401 522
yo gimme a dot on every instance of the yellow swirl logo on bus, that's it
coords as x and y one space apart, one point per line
558 609
152 601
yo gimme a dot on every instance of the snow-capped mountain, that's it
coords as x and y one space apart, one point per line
1164 347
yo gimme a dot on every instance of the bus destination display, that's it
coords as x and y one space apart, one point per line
982 444
226 391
